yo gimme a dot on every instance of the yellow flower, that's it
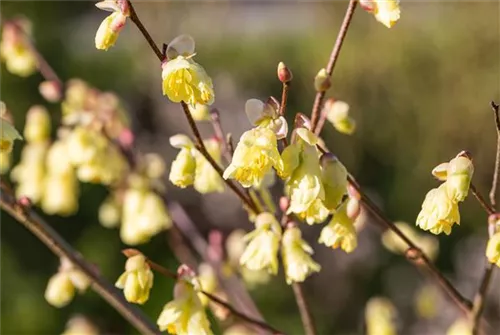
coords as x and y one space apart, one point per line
493 249
137 280
386 12
8 135
322 81
427 302
208 281
393 243
60 290
439 213
15 50
37 127
334 177
144 215
380 317
60 195
182 170
305 188
30 173
207 179
263 244
337 112
80 325
110 212
256 153
340 232
266 115
110 27
185 315
296 254
200 112
458 177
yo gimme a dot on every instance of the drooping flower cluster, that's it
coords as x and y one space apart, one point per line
257 151
110 27
440 207
63 285
185 315
137 280
190 167
183 78
315 189
15 50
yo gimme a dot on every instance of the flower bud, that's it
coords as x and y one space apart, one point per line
50 90
459 175
80 325
337 112
439 213
110 213
108 31
137 280
15 50
37 127
340 232
334 177
60 290
284 73
493 249
322 81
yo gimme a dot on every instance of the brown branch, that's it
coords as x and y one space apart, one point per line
494 183
489 209
480 297
305 314
284 98
44 232
318 101
414 253
263 325
135 18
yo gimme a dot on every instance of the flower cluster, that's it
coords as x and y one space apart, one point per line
440 207
15 49
137 280
190 167
63 285
185 314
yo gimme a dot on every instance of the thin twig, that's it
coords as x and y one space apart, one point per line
414 253
305 314
169 274
496 172
482 201
321 122
135 18
480 297
333 59
284 98
44 232
219 133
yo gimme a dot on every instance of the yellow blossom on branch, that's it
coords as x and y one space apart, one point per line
137 280
386 12
110 27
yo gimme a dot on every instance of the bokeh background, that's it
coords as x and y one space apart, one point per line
420 93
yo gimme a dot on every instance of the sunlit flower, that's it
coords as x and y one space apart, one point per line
30 173
334 177
8 135
266 115
183 78
110 27
207 179
493 249
386 12
137 280
461 326
296 254
380 317
263 243
322 81
110 212
340 232
61 194
60 290
200 112
182 170
80 325
256 153
439 213
185 315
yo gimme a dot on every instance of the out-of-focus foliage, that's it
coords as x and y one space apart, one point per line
419 93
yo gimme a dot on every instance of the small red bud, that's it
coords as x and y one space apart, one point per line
284 73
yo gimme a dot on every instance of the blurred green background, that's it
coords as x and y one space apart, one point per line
420 93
